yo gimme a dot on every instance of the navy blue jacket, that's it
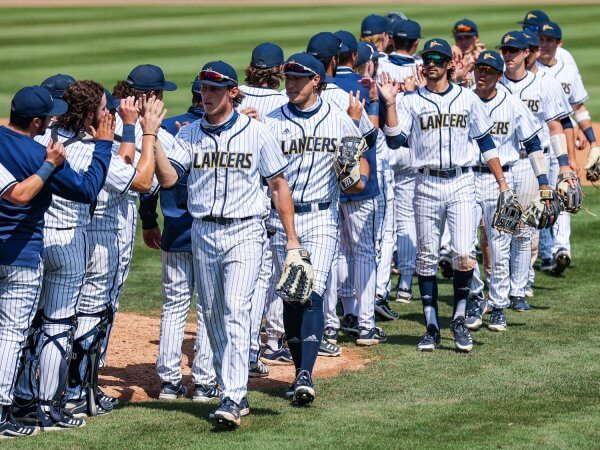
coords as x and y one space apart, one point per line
21 227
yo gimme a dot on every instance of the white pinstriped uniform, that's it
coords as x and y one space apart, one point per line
398 72
65 258
101 281
544 97
568 76
513 124
439 128
6 180
265 303
225 182
309 144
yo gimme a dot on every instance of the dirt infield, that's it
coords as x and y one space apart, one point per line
131 362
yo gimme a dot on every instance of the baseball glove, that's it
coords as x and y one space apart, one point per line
508 212
543 211
592 166
296 282
569 192
346 161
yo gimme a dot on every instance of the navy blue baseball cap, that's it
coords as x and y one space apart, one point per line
148 77
218 73
196 85
366 53
437 45
57 84
324 45
407 29
36 101
395 16
373 25
349 42
492 59
532 39
266 56
515 39
465 27
550 29
111 102
534 18
304 65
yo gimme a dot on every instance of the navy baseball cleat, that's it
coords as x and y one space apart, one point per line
562 260
383 310
373 336
204 393
462 338
10 428
349 324
430 340
258 370
279 357
547 265
244 409
25 411
228 413
170 391
55 419
79 407
519 304
103 397
477 309
304 390
331 335
497 320
329 349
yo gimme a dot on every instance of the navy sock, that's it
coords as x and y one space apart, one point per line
429 296
292 323
462 283
313 322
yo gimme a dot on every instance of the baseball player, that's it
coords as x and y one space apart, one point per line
555 244
514 125
178 278
326 47
263 78
100 285
401 65
376 30
545 99
441 118
22 230
226 154
309 130
57 84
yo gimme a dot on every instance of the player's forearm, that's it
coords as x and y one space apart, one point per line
496 169
166 174
364 177
25 191
537 159
127 147
584 120
146 165
282 199
558 142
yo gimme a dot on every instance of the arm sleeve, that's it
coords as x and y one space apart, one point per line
6 180
271 160
147 211
83 188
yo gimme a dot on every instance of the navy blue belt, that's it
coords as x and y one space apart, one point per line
311 207
486 169
222 220
444 173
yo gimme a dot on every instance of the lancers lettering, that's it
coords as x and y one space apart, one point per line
308 144
445 120
222 160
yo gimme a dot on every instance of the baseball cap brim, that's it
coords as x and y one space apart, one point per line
519 47
465 33
218 83
425 52
170 86
59 107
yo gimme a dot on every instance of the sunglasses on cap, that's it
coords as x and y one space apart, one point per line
294 68
211 75
435 59
462 29
486 70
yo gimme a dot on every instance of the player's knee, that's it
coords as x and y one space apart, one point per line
464 261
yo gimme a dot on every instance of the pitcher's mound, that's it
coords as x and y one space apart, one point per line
131 375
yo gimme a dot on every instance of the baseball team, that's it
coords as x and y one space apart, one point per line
285 211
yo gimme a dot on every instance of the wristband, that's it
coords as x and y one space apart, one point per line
128 135
543 180
364 179
589 135
373 108
357 123
149 134
45 171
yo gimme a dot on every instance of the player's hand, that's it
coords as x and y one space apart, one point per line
574 166
106 128
251 112
356 106
421 80
372 86
409 84
388 87
479 47
128 111
581 142
457 54
154 113
152 238
55 153
179 125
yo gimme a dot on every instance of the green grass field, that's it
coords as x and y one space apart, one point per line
538 385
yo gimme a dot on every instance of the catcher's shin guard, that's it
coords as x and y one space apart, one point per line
28 364
87 351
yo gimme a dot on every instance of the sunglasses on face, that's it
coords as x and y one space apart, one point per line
293 67
436 60
486 70
211 75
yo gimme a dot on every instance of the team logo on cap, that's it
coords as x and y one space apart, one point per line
488 56
547 27
509 38
435 44
531 16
